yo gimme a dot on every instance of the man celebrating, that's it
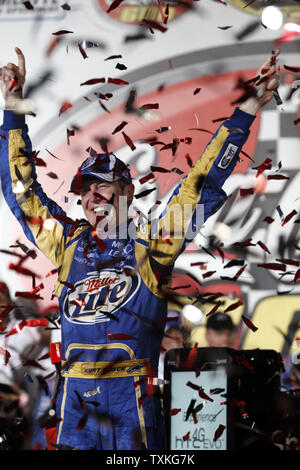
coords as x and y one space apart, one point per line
112 290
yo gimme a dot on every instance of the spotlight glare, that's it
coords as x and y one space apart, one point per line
272 17
193 314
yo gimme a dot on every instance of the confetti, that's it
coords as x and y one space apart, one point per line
249 323
113 57
64 107
288 217
114 5
128 141
186 436
175 411
191 357
153 24
118 336
65 6
219 432
146 178
61 32
82 51
263 246
273 266
121 66
28 5
214 309
278 177
231 307
120 127
93 81
117 81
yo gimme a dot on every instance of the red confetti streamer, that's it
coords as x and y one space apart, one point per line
189 160
128 141
19 269
268 219
208 274
296 277
278 177
93 81
120 127
117 336
249 323
246 192
288 217
82 51
16 329
273 266
219 432
291 68
82 422
263 246
297 121
117 81
50 273
245 243
186 436
150 106
64 107
114 5
175 411
288 261
192 356
266 165
214 309
146 178
37 322
154 24
61 32
231 307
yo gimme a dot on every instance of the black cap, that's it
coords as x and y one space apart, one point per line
220 321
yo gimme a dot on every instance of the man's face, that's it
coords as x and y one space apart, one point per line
223 338
100 201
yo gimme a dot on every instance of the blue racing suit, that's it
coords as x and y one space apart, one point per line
112 296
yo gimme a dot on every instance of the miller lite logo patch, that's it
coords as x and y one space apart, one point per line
97 297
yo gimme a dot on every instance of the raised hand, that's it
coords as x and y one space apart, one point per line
12 79
266 81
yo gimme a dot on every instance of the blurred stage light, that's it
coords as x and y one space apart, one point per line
272 17
193 314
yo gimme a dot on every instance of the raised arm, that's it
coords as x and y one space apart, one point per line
200 193
22 192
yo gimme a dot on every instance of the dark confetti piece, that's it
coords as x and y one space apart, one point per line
28 5
273 266
120 127
61 32
231 307
121 66
64 107
65 6
128 141
114 5
219 432
93 81
249 323
117 81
